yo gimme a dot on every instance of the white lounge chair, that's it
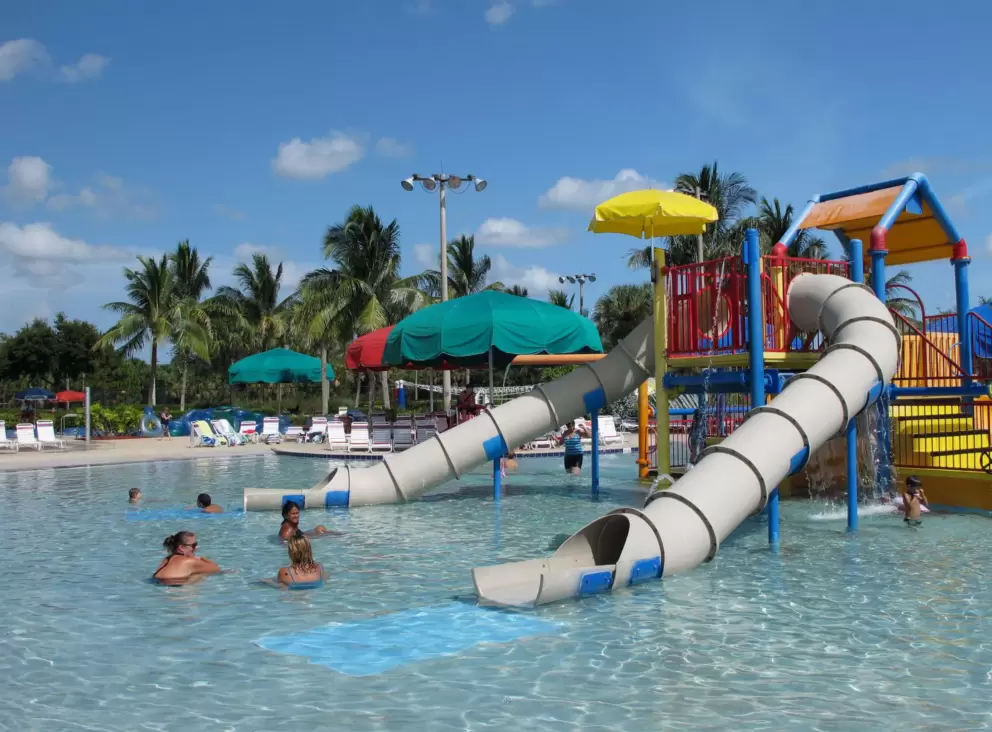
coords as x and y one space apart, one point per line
543 442
249 430
294 433
26 437
223 428
382 437
337 438
608 434
318 429
46 434
200 435
359 437
403 435
5 442
270 430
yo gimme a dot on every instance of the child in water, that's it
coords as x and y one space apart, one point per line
914 502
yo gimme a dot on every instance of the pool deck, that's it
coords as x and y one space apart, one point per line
121 452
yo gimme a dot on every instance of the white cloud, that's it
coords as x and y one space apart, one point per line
20 56
499 13
247 249
536 279
576 194
89 66
42 257
317 158
505 232
108 196
427 255
390 147
29 180
227 212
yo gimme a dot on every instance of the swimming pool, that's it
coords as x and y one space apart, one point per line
888 629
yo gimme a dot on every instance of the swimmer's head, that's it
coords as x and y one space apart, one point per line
300 551
291 511
913 485
570 425
134 495
182 542
203 500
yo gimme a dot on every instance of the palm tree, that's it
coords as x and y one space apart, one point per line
620 310
256 306
366 280
317 320
896 298
191 279
466 273
773 222
518 290
154 314
561 299
730 194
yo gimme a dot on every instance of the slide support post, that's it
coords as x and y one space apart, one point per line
661 364
756 352
595 453
878 252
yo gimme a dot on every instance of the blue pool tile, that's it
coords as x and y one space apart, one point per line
379 644
171 514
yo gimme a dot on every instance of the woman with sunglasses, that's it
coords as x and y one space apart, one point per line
182 565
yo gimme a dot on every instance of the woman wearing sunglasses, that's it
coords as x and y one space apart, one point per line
182 565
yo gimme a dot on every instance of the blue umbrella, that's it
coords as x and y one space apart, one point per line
34 394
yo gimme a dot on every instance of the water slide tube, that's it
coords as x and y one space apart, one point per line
402 476
681 527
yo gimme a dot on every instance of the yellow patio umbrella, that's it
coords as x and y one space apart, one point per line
651 213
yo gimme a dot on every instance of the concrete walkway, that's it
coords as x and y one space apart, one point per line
116 452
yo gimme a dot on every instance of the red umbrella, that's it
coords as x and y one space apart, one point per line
70 396
365 353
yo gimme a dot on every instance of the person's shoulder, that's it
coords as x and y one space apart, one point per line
283 575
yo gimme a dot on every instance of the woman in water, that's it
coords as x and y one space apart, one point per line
303 573
182 565
291 523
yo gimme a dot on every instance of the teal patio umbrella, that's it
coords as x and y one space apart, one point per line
488 326
278 366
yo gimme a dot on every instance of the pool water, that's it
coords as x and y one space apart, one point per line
888 629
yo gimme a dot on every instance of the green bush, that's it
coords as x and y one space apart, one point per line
119 420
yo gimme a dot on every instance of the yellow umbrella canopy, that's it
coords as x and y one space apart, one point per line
650 213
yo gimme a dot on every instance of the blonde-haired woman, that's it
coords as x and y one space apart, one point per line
303 573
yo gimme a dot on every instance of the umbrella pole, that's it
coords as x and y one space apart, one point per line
497 463
430 382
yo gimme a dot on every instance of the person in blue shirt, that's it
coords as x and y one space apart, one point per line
571 438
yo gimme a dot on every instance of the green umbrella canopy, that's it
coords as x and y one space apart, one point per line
278 366
461 331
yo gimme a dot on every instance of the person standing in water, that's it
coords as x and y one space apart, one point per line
134 496
182 565
303 573
291 523
206 504
571 438
914 499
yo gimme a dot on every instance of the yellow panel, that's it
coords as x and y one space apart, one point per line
834 214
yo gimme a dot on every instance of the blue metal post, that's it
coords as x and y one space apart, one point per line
963 298
852 475
884 437
856 251
756 351
595 453
497 479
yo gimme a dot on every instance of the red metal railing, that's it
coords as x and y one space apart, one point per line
926 360
778 273
707 305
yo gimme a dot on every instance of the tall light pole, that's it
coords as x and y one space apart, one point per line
581 279
442 182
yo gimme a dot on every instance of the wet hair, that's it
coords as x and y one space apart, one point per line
570 425
301 553
203 500
913 482
289 505
172 543
134 493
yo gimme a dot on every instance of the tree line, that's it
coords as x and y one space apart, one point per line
170 303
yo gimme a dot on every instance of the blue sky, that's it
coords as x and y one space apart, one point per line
247 126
